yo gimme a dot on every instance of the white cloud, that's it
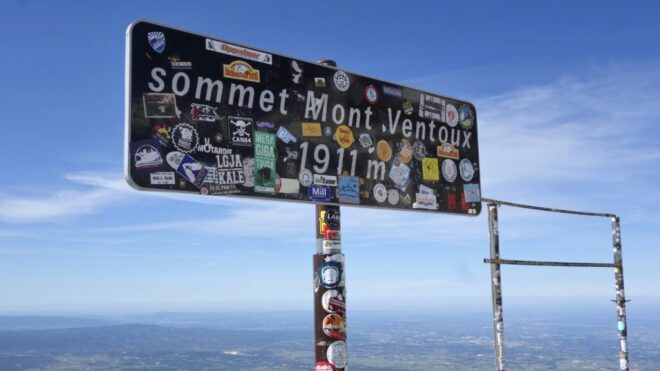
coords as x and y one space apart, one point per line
574 143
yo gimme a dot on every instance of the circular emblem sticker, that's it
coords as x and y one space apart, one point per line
185 137
452 115
344 136
333 302
449 171
333 327
465 117
419 150
466 169
330 275
341 81
336 354
331 217
380 193
383 150
305 177
371 94
393 196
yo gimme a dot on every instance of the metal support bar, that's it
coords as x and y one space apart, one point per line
563 211
496 287
551 264
622 323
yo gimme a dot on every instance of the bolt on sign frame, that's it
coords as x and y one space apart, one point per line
215 117
496 280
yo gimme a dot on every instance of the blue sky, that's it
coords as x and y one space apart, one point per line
567 96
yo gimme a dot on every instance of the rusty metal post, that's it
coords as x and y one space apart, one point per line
496 286
622 323
329 292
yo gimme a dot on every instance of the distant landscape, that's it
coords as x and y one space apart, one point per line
283 341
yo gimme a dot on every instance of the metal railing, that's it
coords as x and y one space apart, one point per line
496 280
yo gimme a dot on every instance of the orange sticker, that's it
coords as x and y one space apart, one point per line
448 151
241 70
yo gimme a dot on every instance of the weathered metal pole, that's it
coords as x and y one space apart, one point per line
329 292
329 287
622 323
496 286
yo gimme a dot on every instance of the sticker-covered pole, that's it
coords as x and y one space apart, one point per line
496 286
329 292
329 287
622 323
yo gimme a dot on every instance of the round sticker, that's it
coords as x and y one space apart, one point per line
405 151
336 354
466 169
333 302
621 326
344 136
341 81
380 193
330 274
305 177
383 150
452 115
333 327
465 117
419 150
185 138
393 197
331 217
449 170
371 94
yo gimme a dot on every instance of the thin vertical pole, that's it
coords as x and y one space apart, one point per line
329 287
329 292
622 323
496 286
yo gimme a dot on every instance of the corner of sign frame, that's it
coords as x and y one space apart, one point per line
133 24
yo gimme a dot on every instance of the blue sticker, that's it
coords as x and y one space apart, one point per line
472 193
192 170
392 91
157 41
330 275
285 135
319 192
349 189
621 326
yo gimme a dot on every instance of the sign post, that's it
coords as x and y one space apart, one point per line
218 118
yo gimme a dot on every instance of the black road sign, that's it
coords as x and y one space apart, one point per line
213 117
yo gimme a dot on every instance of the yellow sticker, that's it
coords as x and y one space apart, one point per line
241 70
430 169
344 136
311 129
